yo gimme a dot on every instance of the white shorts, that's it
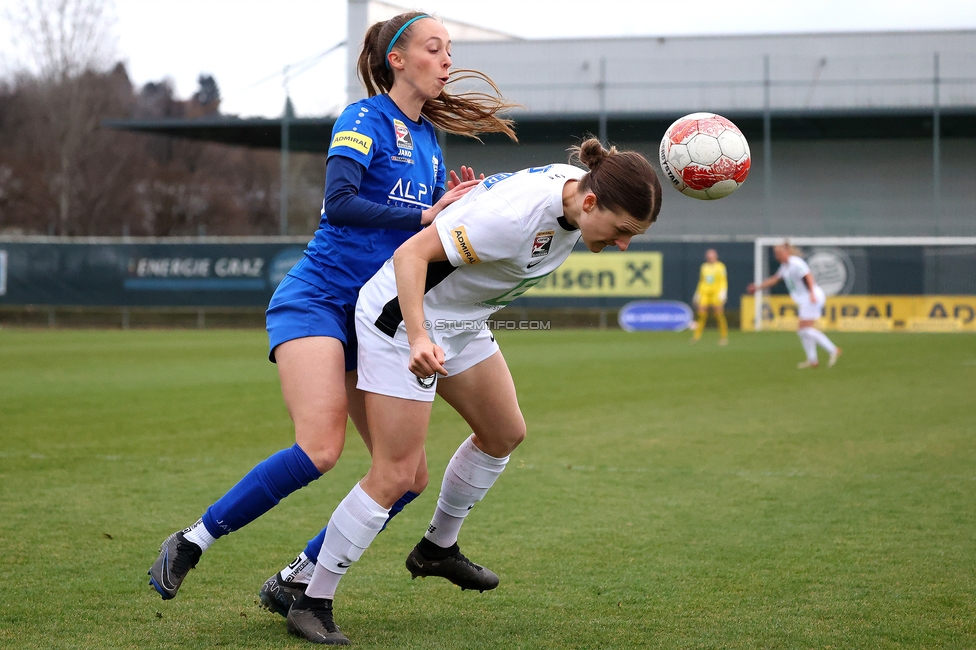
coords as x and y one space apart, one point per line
812 310
384 360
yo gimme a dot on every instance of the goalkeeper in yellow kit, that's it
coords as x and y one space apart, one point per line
712 291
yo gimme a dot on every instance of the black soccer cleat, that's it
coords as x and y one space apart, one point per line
177 556
311 619
455 567
278 595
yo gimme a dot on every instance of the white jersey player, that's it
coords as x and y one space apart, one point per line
809 299
420 324
501 239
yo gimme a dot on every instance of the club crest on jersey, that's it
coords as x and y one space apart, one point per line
426 382
403 138
543 240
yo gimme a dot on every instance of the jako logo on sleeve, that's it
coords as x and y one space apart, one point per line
353 140
463 246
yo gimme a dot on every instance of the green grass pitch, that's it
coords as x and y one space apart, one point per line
667 496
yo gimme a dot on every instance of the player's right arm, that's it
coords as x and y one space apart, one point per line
344 206
765 284
479 231
410 262
354 143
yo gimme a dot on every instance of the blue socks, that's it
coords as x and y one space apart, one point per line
260 490
263 487
315 544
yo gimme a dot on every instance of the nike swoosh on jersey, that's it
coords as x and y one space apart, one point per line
531 264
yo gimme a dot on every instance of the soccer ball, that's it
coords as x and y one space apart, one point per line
705 156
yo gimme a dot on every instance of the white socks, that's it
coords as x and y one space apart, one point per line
810 338
199 535
358 519
821 339
467 479
300 570
353 526
809 345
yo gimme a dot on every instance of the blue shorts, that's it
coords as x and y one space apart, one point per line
299 309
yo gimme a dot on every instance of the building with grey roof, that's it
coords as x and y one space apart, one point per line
851 133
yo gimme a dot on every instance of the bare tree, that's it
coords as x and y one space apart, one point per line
64 40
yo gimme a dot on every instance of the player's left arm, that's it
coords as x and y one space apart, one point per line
410 263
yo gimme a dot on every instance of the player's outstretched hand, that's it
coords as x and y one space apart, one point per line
450 196
467 174
751 288
426 359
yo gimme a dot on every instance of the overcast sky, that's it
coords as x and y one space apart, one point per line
245 44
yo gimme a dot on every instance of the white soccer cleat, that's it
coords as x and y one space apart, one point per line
833 357
807 364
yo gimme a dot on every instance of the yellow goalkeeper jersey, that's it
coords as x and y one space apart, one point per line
713 279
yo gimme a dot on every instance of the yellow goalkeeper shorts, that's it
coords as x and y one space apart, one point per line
709 300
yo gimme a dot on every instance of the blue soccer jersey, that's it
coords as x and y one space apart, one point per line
403 165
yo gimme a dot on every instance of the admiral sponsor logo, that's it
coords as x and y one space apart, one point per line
426 382
403 138
463 246
356 141
873 313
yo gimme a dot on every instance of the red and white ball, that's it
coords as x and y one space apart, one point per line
705 156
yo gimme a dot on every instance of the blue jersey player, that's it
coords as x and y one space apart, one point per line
385 180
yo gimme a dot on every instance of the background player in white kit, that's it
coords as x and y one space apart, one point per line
420 326
809 299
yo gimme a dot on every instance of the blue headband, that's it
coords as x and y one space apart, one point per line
400 33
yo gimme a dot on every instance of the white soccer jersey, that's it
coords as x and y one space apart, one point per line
501 239
793 271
